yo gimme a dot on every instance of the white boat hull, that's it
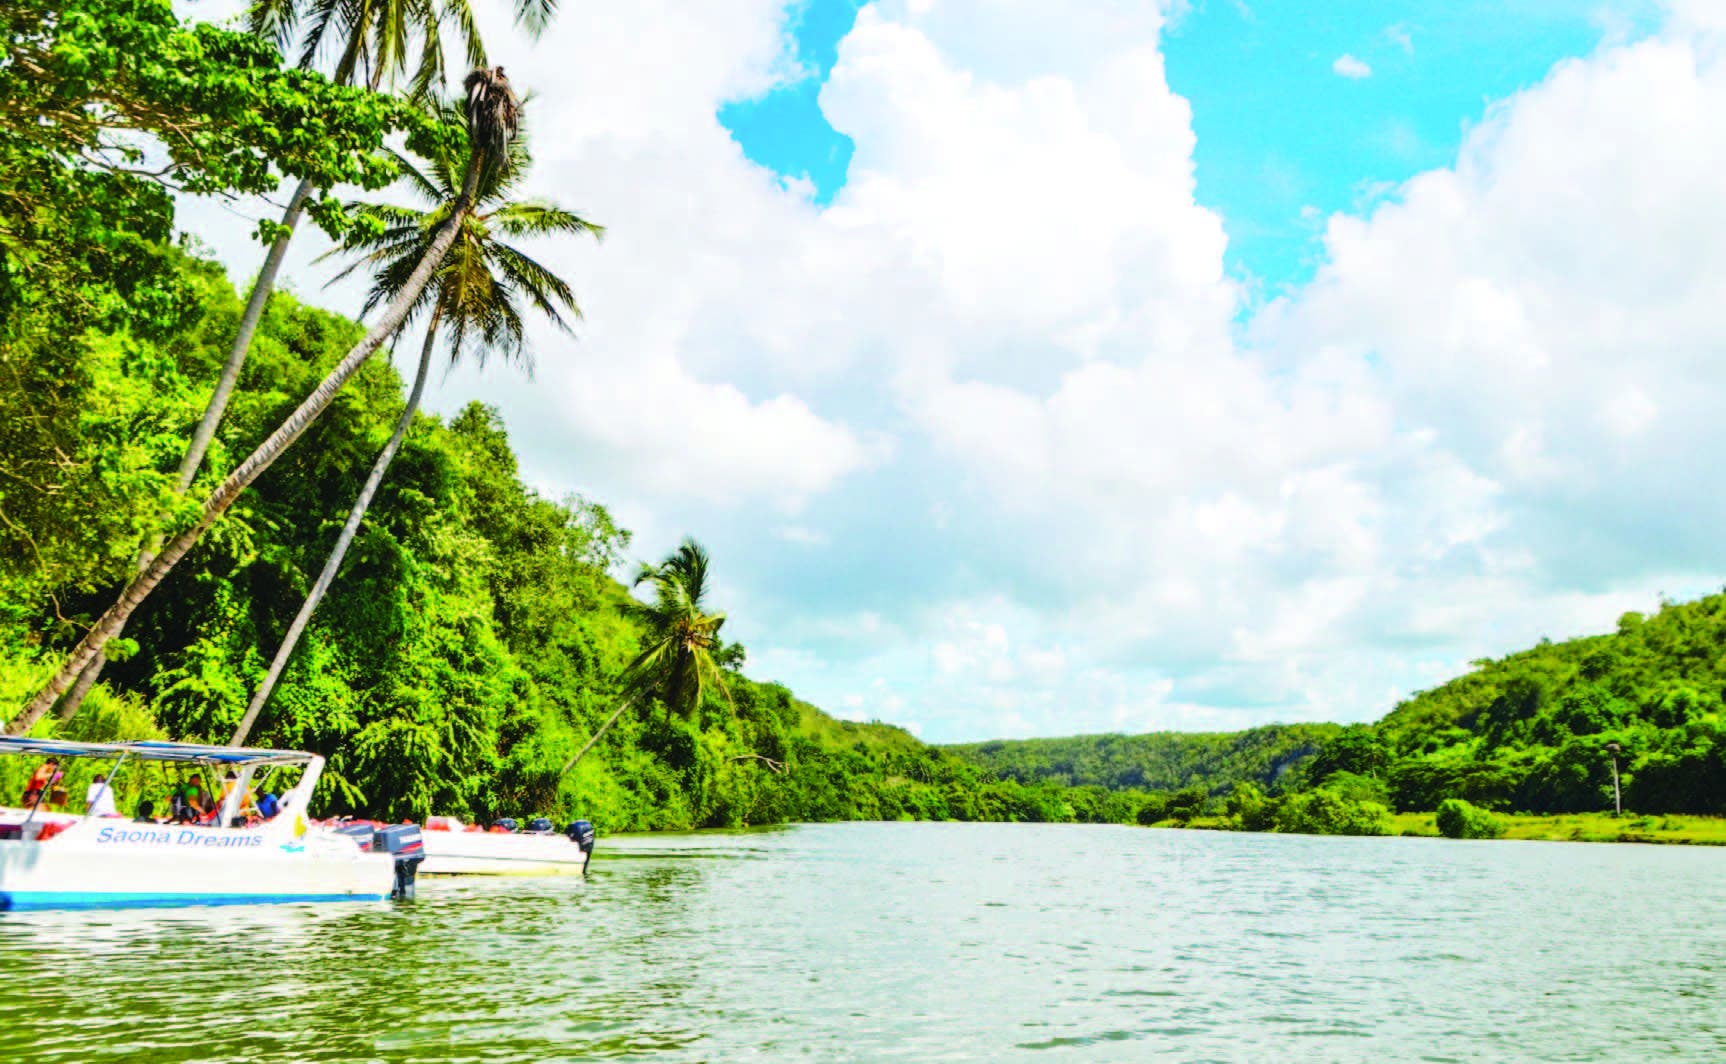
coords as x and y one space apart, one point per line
454 853
113 863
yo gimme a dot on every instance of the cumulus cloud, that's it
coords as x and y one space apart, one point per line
1043 479
1349 67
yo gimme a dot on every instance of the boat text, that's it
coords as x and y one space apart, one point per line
183 837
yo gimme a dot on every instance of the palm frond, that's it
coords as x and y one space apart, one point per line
549 293
535 15
541 219
323 16
275 21
460 14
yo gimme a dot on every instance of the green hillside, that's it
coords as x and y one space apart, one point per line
1160 761
1531 732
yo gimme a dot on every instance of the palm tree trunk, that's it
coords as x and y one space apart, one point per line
111 622
334 562
205 432
218 405
254 313
628 700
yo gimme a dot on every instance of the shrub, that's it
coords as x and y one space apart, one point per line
1154 809
1249 810
1325 812
1458 819
1187 803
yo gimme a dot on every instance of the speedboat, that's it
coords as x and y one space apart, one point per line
52 860
455 848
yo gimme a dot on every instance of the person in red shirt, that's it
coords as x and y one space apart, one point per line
43 778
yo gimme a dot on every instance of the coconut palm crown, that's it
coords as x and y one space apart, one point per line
478 293
678 665
379 37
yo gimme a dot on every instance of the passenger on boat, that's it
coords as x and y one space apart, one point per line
180 802
146 812
99 798
248 800
43 778
268 806
191 802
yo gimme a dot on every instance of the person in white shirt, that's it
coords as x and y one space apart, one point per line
99 798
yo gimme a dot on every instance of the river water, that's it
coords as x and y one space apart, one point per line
924 942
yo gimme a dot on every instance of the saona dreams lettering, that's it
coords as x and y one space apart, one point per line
183 837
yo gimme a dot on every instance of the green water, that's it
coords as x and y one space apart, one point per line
924 942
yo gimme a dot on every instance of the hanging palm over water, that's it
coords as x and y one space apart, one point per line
476 298
677 666
493 114
379 40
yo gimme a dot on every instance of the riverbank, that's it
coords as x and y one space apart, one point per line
1673 830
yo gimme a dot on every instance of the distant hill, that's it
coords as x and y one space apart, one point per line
1159 761
1533 731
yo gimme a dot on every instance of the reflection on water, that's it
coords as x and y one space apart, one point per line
923 943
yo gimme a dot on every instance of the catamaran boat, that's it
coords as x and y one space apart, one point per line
455 848
51 860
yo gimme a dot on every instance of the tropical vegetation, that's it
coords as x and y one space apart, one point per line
221 519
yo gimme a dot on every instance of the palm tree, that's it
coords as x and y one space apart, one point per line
379 37
677 666
475 296
493 116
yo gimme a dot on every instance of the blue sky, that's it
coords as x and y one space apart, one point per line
1283 139
1033 368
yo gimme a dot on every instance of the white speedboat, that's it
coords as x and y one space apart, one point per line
454 848
60 861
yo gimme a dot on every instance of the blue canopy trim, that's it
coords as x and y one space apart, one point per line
152 750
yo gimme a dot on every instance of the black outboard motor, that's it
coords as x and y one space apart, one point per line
403 842
504 822
540 826
582 834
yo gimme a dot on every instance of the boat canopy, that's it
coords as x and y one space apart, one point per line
152 750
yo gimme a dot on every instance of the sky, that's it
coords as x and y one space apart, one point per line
1040 369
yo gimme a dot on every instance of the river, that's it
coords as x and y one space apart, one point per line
924 942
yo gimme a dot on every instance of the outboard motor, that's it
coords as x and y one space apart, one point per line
359 832
403 842
540 826
582 834
504 822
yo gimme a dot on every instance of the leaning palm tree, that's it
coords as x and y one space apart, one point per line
476 298
493 116
376 38
677 666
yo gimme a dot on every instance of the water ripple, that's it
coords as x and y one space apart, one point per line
922 943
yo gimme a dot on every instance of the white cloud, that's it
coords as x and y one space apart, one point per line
1401 36
1349 67
1054 485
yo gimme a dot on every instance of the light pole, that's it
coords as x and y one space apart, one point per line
1617 796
